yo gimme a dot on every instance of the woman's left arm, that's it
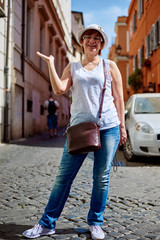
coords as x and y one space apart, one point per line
117 91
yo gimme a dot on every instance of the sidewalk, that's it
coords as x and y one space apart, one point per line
27 172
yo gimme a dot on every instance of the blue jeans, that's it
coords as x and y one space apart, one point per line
69 167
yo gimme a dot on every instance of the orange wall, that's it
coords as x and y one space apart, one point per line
144 25
121 59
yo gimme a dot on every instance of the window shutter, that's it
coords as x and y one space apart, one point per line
131 30
139 9
139 58
134 64
134 21
151 41
140 55
156 35
127 42
147 48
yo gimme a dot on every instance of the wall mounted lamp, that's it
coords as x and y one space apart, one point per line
118 49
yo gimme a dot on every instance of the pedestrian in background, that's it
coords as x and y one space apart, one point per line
85 79
52 106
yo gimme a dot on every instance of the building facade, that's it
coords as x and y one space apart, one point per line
137 47
77 24
119 51
35 25
5 65
144 42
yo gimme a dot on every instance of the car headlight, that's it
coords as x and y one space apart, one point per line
144 127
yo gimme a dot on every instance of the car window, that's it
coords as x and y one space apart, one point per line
129 103
147 105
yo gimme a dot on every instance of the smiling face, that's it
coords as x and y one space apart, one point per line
92 42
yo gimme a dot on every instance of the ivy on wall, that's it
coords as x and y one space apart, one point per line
135 80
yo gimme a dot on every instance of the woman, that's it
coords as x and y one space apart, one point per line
85 79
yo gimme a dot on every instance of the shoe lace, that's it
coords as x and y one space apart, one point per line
96 228
36 228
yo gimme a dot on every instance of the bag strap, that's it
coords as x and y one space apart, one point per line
103 92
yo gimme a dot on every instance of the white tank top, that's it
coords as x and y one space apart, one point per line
86 96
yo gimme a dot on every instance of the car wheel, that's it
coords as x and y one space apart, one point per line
128 151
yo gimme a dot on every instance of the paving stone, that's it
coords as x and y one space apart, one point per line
27 177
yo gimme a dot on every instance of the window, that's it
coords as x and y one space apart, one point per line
158 30
140 56
129 103
41 110
134 21
147 46
156 34
151 42
147 105
134 63
131 30
57 56
127 41
41 42
50 45
29 106
153 39
28 31
140 8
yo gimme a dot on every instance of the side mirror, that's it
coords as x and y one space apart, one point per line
126 114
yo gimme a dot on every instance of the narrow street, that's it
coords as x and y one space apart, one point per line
28 169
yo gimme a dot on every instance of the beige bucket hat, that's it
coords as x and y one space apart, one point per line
94 27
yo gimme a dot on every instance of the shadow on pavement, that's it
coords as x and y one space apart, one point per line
43 140
139 161
14 231
145 161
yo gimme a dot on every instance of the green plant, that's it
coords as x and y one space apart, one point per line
135 80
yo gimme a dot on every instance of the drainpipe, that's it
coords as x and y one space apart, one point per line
22 60
6 70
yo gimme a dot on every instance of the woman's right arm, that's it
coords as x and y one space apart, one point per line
59 85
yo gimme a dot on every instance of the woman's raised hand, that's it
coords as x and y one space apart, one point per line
46 58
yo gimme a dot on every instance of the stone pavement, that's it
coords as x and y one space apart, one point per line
27 172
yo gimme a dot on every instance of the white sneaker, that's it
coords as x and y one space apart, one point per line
38 231
96 232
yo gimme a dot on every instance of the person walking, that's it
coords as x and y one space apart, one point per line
85 79
52 106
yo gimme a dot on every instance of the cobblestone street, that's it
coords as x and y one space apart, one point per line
27 171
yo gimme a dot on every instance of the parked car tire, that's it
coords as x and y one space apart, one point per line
128 151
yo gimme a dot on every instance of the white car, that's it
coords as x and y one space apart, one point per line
142 119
